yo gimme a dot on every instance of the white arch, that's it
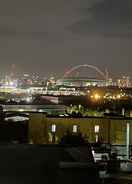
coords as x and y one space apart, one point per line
86 65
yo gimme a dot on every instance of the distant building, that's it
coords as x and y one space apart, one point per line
80 82
124 82
109 82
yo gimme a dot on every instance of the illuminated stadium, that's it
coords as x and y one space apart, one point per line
70 79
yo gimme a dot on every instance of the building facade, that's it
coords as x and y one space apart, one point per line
104 130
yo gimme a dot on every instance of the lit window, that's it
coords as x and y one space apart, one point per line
75 127
53 128
96 128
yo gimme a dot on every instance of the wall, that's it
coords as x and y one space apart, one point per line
110 130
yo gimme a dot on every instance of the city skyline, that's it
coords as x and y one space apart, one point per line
50 37
76 71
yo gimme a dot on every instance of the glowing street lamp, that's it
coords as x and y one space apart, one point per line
96 96
118 96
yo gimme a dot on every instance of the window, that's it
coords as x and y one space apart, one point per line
53 128
96 128
75 128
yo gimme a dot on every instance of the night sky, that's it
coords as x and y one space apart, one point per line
50 36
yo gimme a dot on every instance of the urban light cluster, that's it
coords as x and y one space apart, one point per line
98 96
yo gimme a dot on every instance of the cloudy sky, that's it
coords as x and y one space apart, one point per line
51 36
